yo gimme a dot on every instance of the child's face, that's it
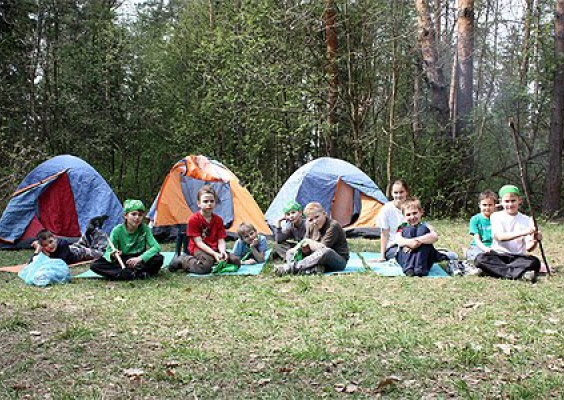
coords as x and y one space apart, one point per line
316 218
399 193
510 203
134 218
206 203
49 245
249 237
413 215
487 207
294 217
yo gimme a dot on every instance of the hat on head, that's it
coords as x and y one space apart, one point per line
292 206
133 205
509 189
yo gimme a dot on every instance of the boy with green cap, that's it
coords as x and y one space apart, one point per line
290 228
134 243
514 235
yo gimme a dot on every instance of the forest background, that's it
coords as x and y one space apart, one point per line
421 90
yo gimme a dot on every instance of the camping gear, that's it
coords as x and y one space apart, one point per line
43 271
62 195
345 192
177 199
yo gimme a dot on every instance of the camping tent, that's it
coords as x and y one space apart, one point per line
349 194
177 199
62 195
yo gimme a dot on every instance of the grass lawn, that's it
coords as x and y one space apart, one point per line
355 336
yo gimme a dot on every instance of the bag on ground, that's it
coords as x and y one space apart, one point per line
43 271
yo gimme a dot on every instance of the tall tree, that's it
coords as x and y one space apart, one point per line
431 65
465 57
553 183
330 16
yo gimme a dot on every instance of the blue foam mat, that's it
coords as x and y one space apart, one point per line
392 268
244 269
353 265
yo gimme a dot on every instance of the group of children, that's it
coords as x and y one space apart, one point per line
501 240
308 240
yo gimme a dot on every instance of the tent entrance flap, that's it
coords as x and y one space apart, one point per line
224 208
346 204
57 212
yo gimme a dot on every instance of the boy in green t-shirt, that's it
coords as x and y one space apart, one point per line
134 244
480 226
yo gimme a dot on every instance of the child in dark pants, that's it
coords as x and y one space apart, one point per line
416 253
135 244
207 238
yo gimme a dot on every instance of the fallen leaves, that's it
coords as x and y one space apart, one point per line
387 381
351 387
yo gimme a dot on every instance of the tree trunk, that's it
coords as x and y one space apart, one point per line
465 91
551 203
431 65
332 74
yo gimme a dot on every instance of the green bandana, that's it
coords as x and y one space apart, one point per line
292 206
223 267
509 189
133 205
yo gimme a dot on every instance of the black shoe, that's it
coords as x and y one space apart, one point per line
409 272
96 222
175 264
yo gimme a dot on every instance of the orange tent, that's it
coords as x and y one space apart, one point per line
177 198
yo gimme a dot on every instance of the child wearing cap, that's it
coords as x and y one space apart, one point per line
513 235
135 244
290 228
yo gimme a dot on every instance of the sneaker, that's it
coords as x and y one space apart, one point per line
530 276
285 269
474 271
317 270
409 272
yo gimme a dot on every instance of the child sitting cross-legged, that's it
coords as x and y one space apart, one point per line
135 246
324 248
251 247
207 238
415 239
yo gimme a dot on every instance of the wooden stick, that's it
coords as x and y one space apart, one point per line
526 192
116 253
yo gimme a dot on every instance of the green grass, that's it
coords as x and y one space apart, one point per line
291 337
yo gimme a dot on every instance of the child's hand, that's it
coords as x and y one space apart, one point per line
255 243
133 262
36 246
115 254
280 220
217 256
249 261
